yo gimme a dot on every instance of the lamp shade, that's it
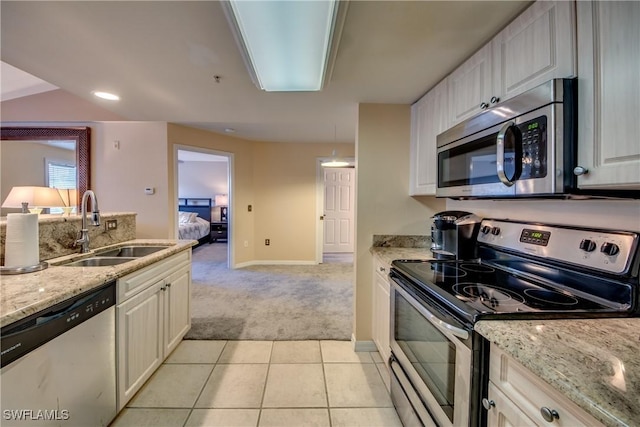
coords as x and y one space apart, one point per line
221 200
43 197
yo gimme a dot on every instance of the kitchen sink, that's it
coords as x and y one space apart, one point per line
102 261
130 251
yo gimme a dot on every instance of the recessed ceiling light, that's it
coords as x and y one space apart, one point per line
106 95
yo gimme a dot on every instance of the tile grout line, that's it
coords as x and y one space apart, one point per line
195 402
264 388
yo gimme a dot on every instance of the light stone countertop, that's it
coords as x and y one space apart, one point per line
24 294
389 254
594 362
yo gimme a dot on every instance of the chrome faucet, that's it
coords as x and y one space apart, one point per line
83 236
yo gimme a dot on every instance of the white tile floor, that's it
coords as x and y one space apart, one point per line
264 383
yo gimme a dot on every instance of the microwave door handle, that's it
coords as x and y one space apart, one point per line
517 153
500 154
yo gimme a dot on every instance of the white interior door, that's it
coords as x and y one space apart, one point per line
339 210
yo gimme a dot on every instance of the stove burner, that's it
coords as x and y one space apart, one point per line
441 269
493 294
549 296
477 268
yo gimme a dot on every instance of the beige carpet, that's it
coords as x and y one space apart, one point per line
271 302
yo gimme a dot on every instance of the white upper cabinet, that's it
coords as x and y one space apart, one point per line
609 94
537 46
470 86
429 117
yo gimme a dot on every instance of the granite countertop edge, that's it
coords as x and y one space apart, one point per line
387 254
25 294
593 362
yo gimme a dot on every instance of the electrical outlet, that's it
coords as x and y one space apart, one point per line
267 242
111 224
249 208
246 243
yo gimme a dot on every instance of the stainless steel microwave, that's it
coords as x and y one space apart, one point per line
523 147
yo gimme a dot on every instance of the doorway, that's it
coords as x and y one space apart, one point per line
336 213
205 176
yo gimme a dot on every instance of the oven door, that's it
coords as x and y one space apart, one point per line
517 157
434 352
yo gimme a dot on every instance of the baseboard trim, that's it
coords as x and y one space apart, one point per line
363 346
274 262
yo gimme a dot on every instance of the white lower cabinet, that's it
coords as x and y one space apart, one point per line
381 310
151 322
517 397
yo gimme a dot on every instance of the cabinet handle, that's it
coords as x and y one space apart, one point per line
488 404
579 170
549 415
164 288
382 269
484 106
168 285
495 99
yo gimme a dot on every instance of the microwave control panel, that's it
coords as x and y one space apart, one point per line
534 148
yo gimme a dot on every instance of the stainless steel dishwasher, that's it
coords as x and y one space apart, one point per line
58 365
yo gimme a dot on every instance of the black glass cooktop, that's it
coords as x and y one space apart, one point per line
515 288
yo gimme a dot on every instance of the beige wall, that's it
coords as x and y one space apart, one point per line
285 198
120 175
278 180
241 184
383 205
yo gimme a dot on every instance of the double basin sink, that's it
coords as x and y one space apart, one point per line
115 256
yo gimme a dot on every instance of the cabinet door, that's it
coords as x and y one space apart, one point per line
609 94
504 413
139 341
429 117
537 46
177 309
470 85
381 309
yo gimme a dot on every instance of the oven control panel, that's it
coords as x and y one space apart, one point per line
607 250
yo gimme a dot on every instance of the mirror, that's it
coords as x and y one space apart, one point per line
36 145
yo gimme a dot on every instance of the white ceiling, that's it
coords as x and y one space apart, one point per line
161 58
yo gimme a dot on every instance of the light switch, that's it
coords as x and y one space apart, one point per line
149 191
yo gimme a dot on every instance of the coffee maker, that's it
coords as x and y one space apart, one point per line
453 235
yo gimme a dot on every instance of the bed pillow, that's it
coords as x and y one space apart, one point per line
187 217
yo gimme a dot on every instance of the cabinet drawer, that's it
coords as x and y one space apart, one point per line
531 393
381 267
138 281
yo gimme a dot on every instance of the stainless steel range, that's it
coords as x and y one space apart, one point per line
524 271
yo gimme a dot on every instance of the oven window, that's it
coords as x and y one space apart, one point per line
471 163
431 354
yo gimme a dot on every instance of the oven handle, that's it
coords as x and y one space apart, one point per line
454 330
500 156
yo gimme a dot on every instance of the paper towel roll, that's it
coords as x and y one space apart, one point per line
22 245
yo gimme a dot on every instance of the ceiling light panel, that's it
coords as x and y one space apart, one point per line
287 42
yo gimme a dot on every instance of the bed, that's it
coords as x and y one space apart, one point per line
194 219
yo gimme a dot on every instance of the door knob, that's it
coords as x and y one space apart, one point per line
488 404
549 415
579 170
